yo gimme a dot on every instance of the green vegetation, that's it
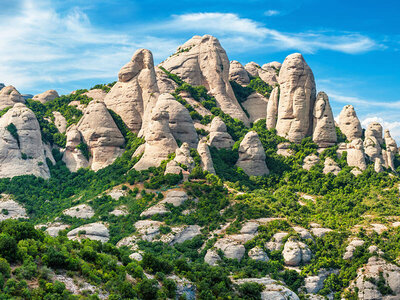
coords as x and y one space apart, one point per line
4 110
83 147
13 131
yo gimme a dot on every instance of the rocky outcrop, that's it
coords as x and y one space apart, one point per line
176 198
10 209
9 96
267 73
73 156
391 150
93 231
82 211
99 132
202 61
272 289
212 258
22 151
255 105
313 284
296 253
296 99
276 242
372 148
219 137
375 129
330 166
273 64
258 254
165 84
180 122
272 109
238 73
352 247
324 132
60 121
231 248
310 161
284 149
349 123
46 96
355 154
378 167
205 155
96 94
159 142
135 94
183 157
368 276
252 155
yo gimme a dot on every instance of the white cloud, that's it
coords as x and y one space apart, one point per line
271 12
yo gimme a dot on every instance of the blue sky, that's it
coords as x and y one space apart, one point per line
352 46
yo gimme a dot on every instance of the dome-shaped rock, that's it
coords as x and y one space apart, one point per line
375 129
310 161
355 154
349 123
238 73
9 96
219 137
296 99
330 166
46 96
252 155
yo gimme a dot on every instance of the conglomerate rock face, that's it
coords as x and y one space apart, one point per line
46 96
203 61
135 94
324 132
296 99
238 73
349 123
9 96
22 151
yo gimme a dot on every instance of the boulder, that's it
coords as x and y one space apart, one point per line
159 142
185 233
330 166
258 254
174 197
10 209
82 211
272 109
9 96
276 242
184 288
320 232
180 122
53 229
284 149
313 284
135 94
96 94
120 211
219 137
101 135
202 61
93 231
165 84
349 123
60 121
182 159
205 156
46 96
273 64
375 129
238 73
231 247
355 154
296 253
252 155
372 148
296 99
310 161
22 151
377 269
212 258
324 131
148 229
256 106
304 233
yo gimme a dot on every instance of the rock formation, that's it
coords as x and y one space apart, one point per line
96 94
159 142
238 73
310 161
378 165
205 155
355 154
255 105
180 122
60 121
22 151
272 109
391 150
219 137
372 148
330 166
267 73
273 64
73 157
101 135
375 129
296 99
182 159
135 94
82 211
46 96
93 231
258 254
296 253
202 61
324 132
349 123
9 96
252 155
165 84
